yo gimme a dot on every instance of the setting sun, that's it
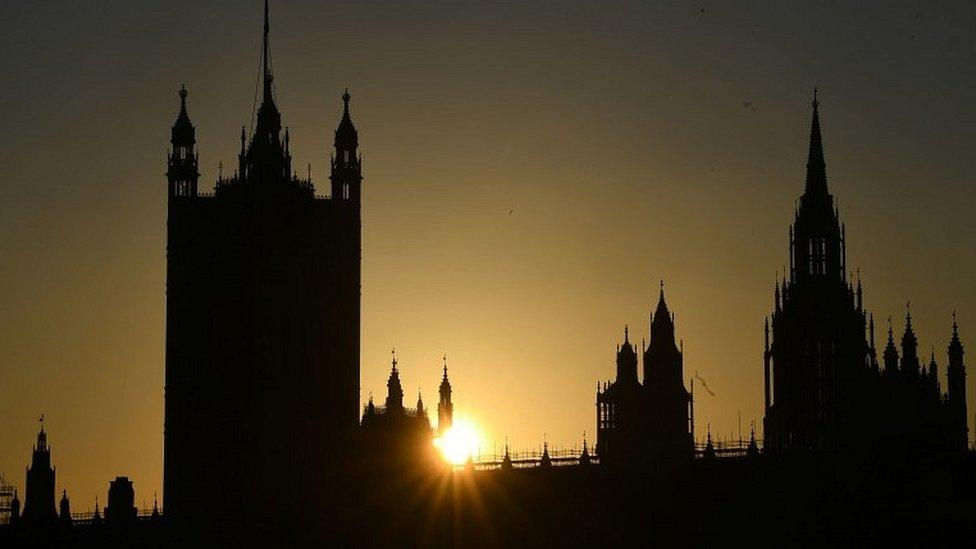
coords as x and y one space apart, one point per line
459 443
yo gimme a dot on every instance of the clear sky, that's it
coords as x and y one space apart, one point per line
532 170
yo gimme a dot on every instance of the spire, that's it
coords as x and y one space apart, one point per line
268 78
955 346
64 508
585 456
445 388
662 307
955 328
394 391
346 136
816 167
183 134
41 437
890 352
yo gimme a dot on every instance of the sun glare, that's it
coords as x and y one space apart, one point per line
459 443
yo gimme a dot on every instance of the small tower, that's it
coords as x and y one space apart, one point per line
753 450
65 509
546 461
96 515
956 389
346 174
445 408
394 391
627 361
155 512
182 164
507 460
709 447
585 456
121 507
421 411
890 353
39 509
933 375
909 347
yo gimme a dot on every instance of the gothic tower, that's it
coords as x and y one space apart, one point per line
647 424
394 391
819 359
667 401
182 160
956 379
262 328
445 408
346 165
39 509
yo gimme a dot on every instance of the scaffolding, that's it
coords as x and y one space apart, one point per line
6 497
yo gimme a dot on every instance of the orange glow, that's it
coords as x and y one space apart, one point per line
459 443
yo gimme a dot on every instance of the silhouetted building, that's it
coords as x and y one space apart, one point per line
64 509
823 386
39 509
121 509
262 325
393 434
445 408
646 424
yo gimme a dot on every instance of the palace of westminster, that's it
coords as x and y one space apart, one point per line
263 339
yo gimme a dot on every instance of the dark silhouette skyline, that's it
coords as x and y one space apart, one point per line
83 330
263 324
824 389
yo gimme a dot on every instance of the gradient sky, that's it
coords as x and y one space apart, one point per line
630 142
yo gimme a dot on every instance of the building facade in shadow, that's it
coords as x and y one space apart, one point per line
824 387
395 436
646 424
262 324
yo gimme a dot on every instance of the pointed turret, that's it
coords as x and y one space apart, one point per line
817 243
753 449
933 373
96 514
585 456
65 509
662 360
394 391
39 508
909 347
420 405
182 164
627 361
507 460
816 183
546 461
709 453
445 408
956 390
890 353
346 174
266 161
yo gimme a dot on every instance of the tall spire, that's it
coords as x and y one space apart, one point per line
816 166
264 59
